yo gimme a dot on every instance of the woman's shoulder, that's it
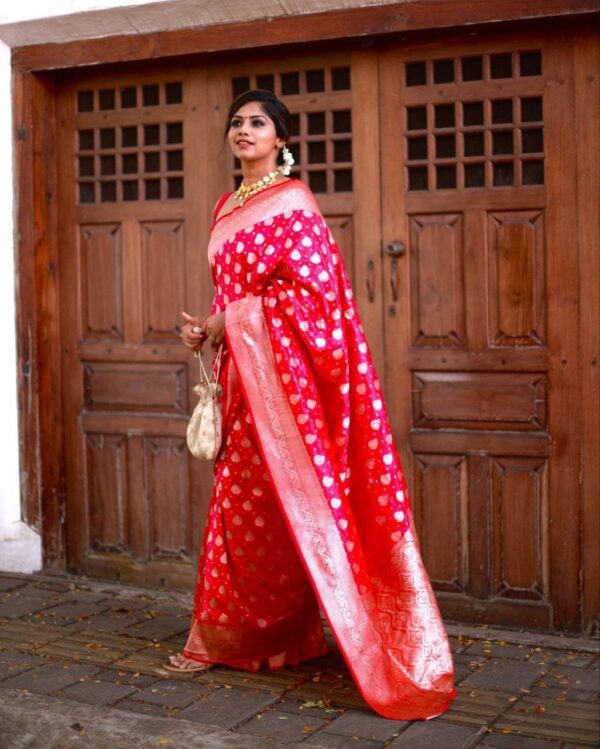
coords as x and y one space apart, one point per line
300 197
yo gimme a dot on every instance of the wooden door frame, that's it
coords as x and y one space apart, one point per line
39 376
42 458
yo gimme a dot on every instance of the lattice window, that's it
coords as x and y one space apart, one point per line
321 137
128 159
478 139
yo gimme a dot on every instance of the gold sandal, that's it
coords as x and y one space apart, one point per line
188 669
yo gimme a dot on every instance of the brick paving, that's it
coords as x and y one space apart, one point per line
85 658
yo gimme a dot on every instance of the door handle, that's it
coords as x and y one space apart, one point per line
396 248
371 280
394 279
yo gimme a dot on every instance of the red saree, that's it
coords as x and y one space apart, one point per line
310 504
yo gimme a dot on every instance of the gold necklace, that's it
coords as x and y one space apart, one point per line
245 191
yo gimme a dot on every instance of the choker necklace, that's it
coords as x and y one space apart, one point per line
245 191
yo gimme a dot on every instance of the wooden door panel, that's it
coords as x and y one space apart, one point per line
516 287
100 257
106 471
479 400
440 503
163 263
131 387
464 188
166 462
129 265
519 506
437 280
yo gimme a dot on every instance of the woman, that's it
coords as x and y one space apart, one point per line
309 505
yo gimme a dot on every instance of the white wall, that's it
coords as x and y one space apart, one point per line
20 548
10 509
26 10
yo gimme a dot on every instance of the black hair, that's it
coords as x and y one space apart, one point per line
273 107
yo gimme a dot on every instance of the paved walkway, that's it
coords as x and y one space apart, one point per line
80 666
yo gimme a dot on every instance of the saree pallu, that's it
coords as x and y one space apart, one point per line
310 505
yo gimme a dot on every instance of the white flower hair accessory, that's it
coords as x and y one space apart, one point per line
288 160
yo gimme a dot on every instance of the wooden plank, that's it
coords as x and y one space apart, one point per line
70 327
71 315
395 228
367 197
152 573
512 360
27 390
131 254
128 352
339 24
457 441
481 529
137 507
48 325
500 612
121 423
587 102
476 285
564 399
42 459
136 211
204 137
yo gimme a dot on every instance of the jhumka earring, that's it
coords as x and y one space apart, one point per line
288 160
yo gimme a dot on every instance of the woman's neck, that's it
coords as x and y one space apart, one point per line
253 171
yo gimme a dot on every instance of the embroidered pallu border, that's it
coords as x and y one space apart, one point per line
391 636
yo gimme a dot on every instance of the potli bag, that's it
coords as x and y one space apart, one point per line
204 428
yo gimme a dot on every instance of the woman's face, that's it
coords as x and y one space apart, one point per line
252 135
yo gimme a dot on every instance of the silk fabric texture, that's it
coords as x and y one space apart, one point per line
310 505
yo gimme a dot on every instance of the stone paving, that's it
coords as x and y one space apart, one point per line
80 666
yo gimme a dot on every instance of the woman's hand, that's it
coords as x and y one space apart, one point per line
213 327
191 333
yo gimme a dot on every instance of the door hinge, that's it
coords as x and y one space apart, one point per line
22 133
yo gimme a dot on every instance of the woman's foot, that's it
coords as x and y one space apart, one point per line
183 664
276 662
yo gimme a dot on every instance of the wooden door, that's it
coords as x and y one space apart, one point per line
480 309
459 156
134 221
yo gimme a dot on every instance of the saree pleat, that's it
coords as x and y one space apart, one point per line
253 597
310 506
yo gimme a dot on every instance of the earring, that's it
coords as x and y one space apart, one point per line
288 161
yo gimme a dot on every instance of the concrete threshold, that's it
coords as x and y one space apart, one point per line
32 721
